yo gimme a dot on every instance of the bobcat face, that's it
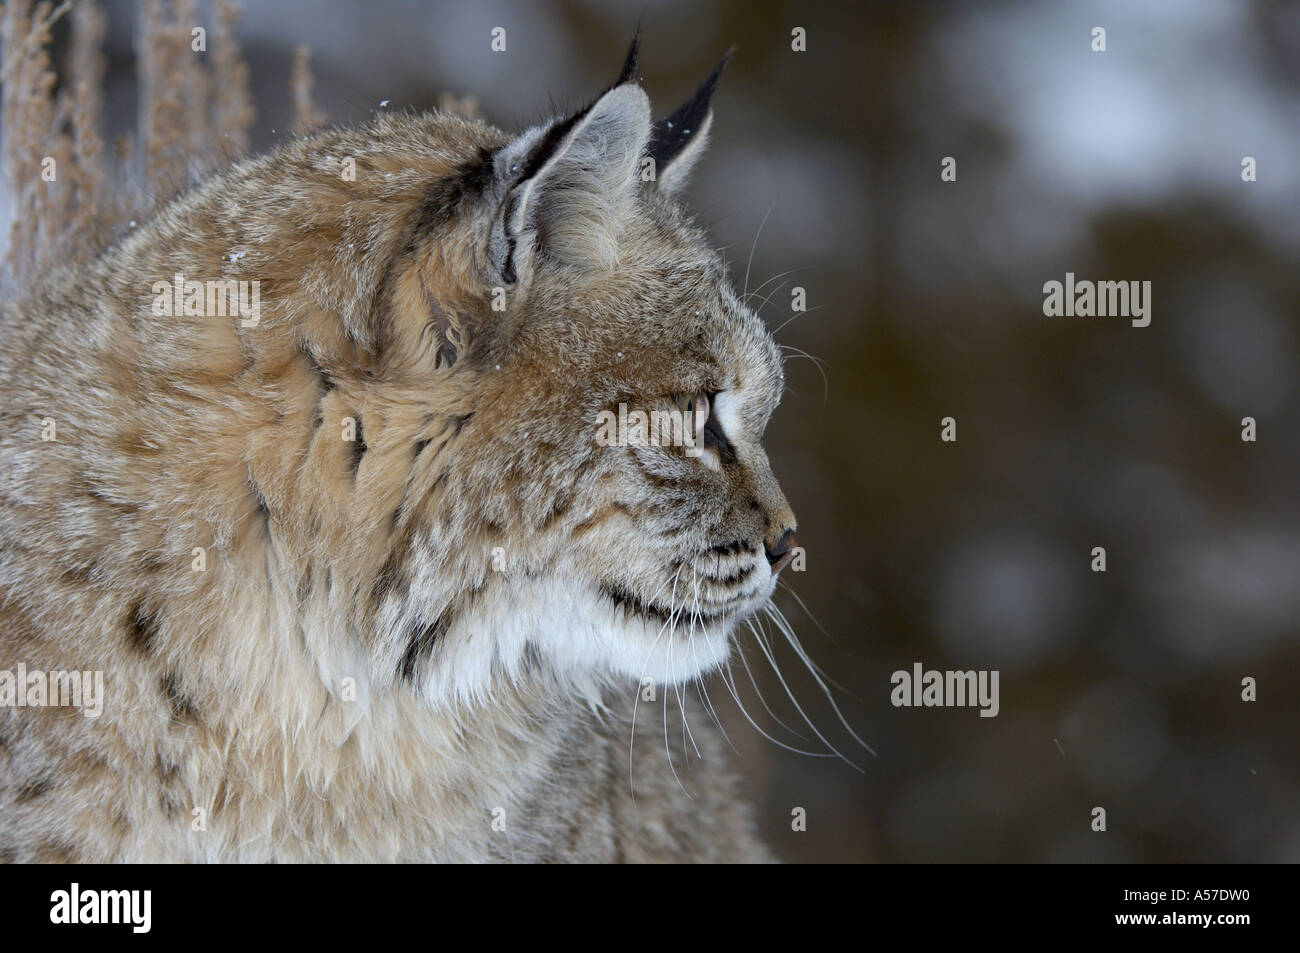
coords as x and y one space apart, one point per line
667 542
567 302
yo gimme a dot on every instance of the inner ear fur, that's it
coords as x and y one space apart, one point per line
571 186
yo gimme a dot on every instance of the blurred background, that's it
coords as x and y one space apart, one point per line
1119 689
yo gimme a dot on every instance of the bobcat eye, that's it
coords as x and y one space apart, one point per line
695 409
708 430
690 403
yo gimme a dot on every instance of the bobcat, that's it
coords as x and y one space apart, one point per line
362 583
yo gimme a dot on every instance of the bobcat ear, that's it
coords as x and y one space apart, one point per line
679 140
568 187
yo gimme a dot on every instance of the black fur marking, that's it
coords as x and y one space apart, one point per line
441 204
443 201
33 789
731 548
359 449
420 446
630 603
560 506
508 273
326 382
440 321
262 508
421 643
532 661
634 605
98 494
672 133
142 629
169 772
181 704
458 423
549 143
735 578
391 578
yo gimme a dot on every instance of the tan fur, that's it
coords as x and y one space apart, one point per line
370 564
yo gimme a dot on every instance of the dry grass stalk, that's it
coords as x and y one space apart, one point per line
233 100
162 51
194 115
305 115
188 124
29 113
466 106
88 228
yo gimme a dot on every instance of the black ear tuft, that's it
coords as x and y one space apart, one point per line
555 135
673 133
628 74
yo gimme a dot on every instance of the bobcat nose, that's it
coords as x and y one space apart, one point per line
782 552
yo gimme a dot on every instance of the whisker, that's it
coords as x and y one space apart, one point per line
804 606
677 690
783 626
763 701
797 314
708 704
712 712
690 643
820 671
794 701
637 699
768 298
631 744
741 705
817 363
788 271
745 286
673 612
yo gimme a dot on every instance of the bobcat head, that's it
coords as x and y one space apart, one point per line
549 286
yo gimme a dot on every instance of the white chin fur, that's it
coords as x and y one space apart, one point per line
583 637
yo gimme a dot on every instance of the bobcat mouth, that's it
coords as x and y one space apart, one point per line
635 605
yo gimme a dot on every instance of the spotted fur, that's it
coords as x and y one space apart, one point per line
426 642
